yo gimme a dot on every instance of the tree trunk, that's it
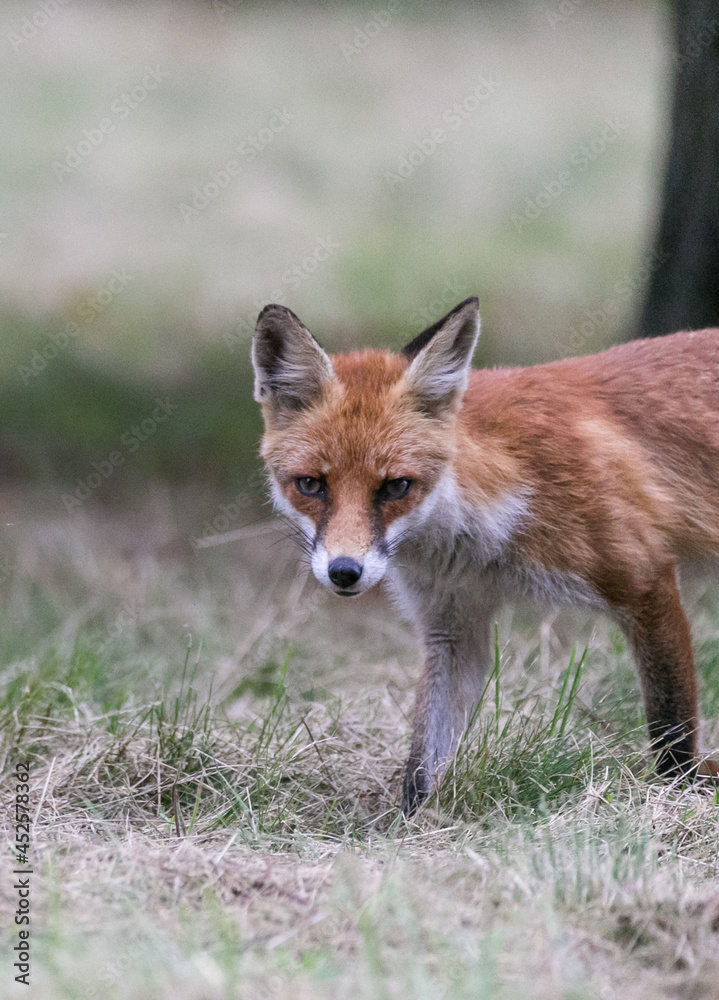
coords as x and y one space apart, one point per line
683 290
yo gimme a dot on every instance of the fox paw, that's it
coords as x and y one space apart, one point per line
416 788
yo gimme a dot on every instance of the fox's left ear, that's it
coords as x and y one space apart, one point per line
441 357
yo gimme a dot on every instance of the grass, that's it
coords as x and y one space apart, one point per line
211 820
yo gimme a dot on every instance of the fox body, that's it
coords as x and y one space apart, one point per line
584 481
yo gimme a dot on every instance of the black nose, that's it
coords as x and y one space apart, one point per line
343 572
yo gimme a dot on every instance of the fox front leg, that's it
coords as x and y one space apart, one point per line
457 655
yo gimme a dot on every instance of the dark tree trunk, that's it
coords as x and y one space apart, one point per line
683 290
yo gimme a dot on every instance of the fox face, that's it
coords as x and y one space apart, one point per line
357 446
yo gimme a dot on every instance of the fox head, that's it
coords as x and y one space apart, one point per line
356 445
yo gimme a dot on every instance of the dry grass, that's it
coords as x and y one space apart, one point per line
245 841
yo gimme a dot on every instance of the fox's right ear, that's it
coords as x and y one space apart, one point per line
291 368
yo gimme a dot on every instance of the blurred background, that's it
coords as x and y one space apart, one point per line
167 169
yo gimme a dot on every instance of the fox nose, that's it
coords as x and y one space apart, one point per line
344 572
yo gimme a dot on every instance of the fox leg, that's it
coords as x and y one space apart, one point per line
457 654
658 631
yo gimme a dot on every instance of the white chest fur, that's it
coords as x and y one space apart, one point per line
449 549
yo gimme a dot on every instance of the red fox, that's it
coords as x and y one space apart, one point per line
583 481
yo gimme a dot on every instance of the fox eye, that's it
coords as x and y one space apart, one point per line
394 489
309 487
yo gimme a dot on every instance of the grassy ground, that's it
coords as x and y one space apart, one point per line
216 748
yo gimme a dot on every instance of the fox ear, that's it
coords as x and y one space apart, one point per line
441 357
290 366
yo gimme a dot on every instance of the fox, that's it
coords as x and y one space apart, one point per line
584 481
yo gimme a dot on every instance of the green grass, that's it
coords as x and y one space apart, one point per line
211 433
213 821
